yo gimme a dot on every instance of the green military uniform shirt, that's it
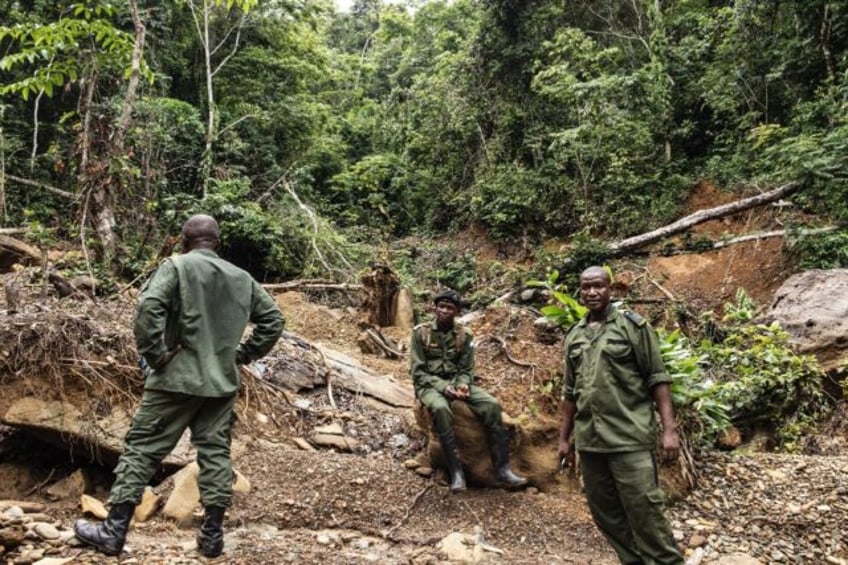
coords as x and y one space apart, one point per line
610 373
434 361
202 304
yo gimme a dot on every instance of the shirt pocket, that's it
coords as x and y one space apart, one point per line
575 353
618 348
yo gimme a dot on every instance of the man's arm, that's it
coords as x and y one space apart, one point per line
465 362
421 379
670 441
268 324
152 315
569 409
566 455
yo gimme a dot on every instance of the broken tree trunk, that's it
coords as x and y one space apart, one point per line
683 224
16 251
381 287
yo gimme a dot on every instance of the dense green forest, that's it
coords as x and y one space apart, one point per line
313 134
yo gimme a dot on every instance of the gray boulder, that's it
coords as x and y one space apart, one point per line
813 307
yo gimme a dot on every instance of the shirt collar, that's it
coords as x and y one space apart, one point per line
203 251
609 315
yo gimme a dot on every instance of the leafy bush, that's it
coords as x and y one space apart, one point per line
764 383
265 245
821 251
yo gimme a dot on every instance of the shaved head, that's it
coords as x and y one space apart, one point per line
200 231
595 271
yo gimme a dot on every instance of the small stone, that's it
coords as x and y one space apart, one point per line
697 540
411 464
424 471
322 539
13 512
677 535
334 429
45 531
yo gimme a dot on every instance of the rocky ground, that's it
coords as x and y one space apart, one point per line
366 506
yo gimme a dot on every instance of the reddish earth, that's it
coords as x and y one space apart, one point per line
310 507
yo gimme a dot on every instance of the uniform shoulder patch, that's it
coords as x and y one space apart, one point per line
634 317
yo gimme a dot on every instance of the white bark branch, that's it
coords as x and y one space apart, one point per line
701 216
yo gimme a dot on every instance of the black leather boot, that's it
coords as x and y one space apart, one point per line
457 477
499 448
109 536
210 540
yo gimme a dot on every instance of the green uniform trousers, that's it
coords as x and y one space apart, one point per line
483 404
157 427
627 504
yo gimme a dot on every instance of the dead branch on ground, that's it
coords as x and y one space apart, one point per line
683 224
500 341
388 533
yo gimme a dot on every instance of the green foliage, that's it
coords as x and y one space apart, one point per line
253 239
700 409
741 311
565 309
59 50
764 383
821 251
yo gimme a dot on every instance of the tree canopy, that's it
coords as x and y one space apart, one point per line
308 130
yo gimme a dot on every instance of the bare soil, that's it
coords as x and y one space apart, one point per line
328 507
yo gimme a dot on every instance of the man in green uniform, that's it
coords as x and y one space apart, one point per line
191 317
613 377
441 363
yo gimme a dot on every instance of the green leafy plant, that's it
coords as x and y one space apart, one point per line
742 310
821 251
764 383
565 310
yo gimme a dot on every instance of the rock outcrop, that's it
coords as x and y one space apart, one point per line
813 307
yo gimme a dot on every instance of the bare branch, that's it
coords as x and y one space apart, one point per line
701 216
42 186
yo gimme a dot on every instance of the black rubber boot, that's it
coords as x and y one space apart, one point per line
457 477
109 536
499 448
210 540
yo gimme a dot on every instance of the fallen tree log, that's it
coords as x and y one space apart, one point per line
17 249
683 224
310 285
42 186
13 231
352 376
708 246
297 364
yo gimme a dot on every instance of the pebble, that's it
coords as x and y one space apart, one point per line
775 508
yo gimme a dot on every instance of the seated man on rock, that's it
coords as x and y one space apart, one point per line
441 364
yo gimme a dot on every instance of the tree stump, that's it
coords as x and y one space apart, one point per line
381 287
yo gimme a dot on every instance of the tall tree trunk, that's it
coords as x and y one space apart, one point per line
206 166
4 215
108 186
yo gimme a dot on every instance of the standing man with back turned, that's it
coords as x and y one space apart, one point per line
613 377
191 317
441 363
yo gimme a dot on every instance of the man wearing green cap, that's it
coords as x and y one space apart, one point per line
441 363
614 376
188 328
